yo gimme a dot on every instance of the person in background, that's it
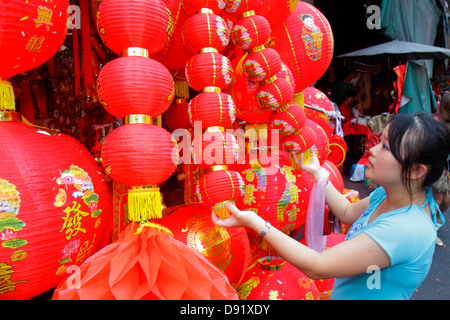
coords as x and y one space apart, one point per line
442 188
346 107
393 231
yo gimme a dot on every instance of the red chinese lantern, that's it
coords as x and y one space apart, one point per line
215 188
275 93
300 142
275 190
177 117
134 23
54 205
147 263
215 148
250 32
192 6
335 175
262 64
322 146
208 69
226 248
205 30
139 84
338 150
141 156
276 11
31 33
212 109
273 278
305 43
288 119
319 108
238 7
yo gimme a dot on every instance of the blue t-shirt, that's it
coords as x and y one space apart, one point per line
408 236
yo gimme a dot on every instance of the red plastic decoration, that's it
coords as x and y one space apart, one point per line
305 43
288 119
208 69
275 94
250 32
54 205
215 148
226 248
272 278
134 23
31 33
317 105
212 109
135 85
262 65
139 154
205 30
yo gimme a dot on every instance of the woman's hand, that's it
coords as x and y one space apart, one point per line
239 218
313 167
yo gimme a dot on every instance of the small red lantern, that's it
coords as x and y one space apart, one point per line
305 43
135 85
134 23
177 117
215 188
273 278
277 92
300 142
250 32
288 119
322 145
318 107
54 205
338 150
215 148
262 64
226 248
212 109
205 30
335 175
238 7
208 69
141 156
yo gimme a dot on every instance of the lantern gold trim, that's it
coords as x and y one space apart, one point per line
248 13
221 210
205 10
135 52
209 50
270 267
10 116
211 89
215 129
138 118
258 48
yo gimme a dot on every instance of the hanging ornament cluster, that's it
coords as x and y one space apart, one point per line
206 34
137 89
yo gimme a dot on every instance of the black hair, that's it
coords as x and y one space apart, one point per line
350 94
419 139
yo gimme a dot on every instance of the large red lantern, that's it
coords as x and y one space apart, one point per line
139 84
305 43
134 23
208 69
238 7
191 6
275 190
276 11
141 156
147 263
212 109
205 30
54 204
226 248
273 278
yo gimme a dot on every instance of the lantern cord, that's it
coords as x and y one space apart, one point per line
7 101
144 204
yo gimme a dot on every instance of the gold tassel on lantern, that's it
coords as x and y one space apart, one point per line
7 101
144 203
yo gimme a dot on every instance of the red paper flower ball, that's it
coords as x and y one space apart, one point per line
205 30
305 43
31 33
139 154
262 65
215 148
219 186
250 32
135 85
288 119
318 107
145 24
208 69
212 109
275 94
54 205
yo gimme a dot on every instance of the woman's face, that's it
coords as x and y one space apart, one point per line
383 168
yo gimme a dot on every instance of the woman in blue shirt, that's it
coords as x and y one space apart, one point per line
389 247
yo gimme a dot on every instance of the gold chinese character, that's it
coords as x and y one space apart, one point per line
6 285
249 198
35 43
72 223
44 17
